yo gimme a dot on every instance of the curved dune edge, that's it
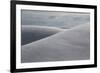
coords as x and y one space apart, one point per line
73 44
33 33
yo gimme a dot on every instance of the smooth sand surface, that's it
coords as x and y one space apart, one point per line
33 33
72 44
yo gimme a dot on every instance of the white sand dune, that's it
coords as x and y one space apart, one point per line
72 44
68 26
33 33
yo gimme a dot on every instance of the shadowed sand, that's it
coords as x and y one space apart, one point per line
72 44
33 33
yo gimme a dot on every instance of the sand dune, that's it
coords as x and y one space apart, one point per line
68 26
33 33
53 18
72 44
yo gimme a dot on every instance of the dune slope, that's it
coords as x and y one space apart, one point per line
72 44
33 33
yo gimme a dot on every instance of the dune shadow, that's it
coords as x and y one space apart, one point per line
33 33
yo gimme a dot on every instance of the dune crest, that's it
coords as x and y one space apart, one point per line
32 33
72 44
